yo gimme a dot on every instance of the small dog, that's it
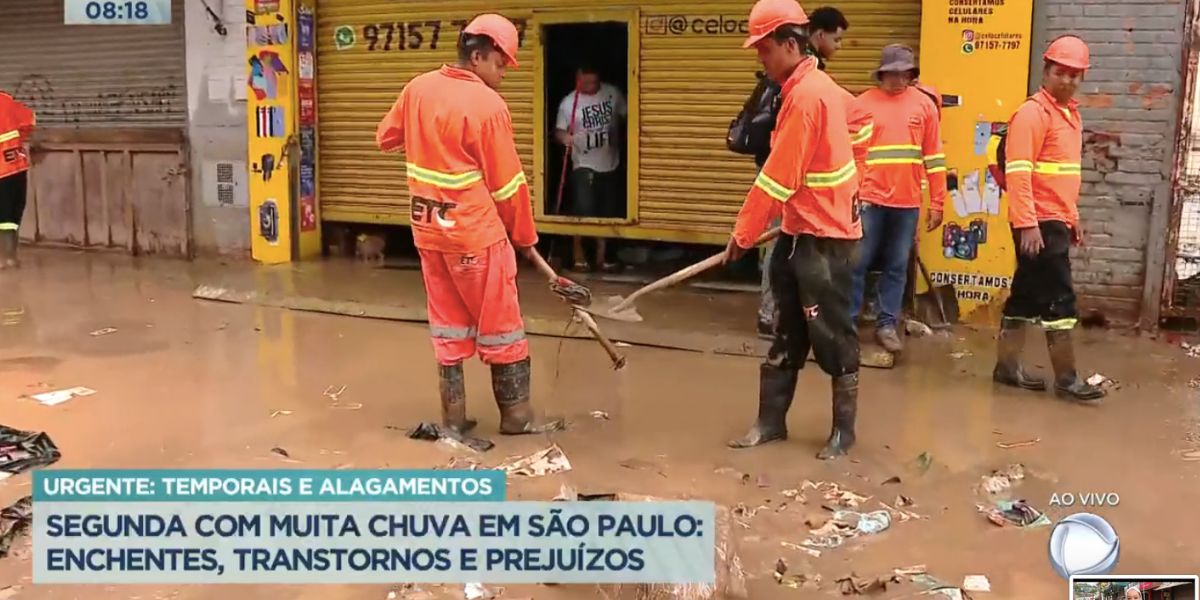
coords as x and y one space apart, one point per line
369 248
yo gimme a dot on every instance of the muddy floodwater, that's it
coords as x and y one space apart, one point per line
186 383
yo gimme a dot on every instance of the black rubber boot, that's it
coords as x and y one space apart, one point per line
1067 383
776 387
510 384
1009 346
453 389
845 412
8 250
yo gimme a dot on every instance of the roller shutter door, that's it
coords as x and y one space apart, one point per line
691 85
358 84
93 75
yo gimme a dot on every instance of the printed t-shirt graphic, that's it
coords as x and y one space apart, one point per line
597 117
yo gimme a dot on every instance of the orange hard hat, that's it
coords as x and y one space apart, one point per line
1068 51
769 15
501 31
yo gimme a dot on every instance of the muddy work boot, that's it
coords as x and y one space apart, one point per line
845 411
776 387
889 339
8 250
453 389
510 384
1009 346
1067 383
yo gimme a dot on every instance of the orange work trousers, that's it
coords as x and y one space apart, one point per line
473 305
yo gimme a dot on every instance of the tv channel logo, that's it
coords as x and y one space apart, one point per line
1084 544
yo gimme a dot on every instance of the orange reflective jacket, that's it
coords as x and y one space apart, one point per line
16 123
465 180
1043 155
906 148
811 172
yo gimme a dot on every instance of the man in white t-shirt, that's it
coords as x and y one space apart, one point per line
593 133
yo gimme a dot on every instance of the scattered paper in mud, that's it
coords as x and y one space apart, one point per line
910 571
544 462
960 354
976 583
105 331
794 495
59 396
476 591
1193 350
1003 480
599 414
280 413
834 493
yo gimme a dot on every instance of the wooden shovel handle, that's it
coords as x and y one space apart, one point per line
543 267
618 361
688 272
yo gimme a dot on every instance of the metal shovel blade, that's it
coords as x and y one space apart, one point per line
611 309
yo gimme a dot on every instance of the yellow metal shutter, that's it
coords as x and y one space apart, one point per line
692 83
357 85
692 86
93 75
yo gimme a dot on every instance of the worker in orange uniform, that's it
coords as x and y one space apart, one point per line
810 176
469 197
906 149
1042 168
16 124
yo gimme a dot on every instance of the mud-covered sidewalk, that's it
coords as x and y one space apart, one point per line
188 383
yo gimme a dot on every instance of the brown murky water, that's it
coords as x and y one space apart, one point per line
184 383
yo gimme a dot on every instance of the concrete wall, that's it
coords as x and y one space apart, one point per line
1131 108
216 87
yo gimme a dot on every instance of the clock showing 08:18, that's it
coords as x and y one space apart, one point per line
117 12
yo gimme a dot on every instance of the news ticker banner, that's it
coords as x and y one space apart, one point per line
305 527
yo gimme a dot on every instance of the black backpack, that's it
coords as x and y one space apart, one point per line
750 132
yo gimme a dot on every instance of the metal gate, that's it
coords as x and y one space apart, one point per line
1181 285
110 149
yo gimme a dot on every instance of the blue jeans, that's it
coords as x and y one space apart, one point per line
888 238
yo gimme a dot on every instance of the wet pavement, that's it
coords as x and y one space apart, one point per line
186 383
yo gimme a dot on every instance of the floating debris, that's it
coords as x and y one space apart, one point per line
1020 444
1003 480
544 462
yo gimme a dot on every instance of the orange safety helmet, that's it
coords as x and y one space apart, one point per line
769 15
1069 51
501 31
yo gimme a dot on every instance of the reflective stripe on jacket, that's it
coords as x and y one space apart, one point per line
811 173
467 186
1043 155
906 149
16 124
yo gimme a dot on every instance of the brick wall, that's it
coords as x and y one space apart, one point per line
1130 103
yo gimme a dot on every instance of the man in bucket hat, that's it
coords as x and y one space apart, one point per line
810 177
905 150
